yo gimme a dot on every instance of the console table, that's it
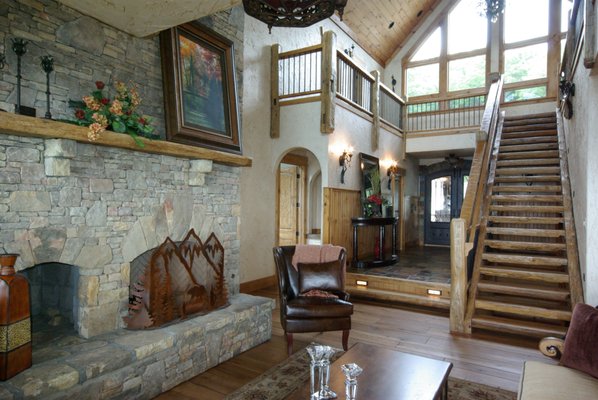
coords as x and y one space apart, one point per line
382 223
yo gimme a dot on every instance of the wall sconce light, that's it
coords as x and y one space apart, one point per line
2 60
392 171
349 50
344 161
393 82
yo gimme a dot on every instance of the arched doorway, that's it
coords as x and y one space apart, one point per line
298 197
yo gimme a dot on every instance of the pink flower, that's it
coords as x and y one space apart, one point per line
100 119
116 108
94 132
91 103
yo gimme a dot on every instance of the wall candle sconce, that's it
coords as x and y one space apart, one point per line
2 60
345 161
48 67
391 172
19 46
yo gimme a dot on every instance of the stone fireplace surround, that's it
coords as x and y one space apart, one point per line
97 208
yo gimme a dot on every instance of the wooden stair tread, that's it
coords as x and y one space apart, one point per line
529 328
525 179
527 117
524 310
542 198
526 232
526 208
528 170
529 127
528 162
511 155
524 274
519 134
534 121
523 290
530 246
528 140
517 148
527 188
524 259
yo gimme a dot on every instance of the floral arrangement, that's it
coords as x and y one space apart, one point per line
119 114
372 205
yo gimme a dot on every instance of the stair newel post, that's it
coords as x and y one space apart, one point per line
459 250
329 83
274 92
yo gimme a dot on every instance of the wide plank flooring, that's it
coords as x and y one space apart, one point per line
494 360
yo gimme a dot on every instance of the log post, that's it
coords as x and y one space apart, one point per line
274 92
328 82
375 103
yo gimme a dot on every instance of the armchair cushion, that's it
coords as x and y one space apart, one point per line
581 343
318 307
326 276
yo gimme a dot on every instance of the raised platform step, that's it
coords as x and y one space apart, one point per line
527 188
529 171
526 209
510 155
523 310
524 259
528 162
526 179
525 246
547 233
518 327
528 147
523 290
526 198
524 274
527 140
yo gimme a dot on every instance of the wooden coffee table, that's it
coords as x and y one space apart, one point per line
387 374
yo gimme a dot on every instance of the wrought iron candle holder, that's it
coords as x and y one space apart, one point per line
48 67
2 60
19 46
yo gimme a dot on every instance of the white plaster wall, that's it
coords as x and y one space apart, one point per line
441 143
583 169
258 183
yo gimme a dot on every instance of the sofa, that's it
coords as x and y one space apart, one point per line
576 375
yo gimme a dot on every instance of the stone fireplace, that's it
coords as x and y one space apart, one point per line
79 213
97 208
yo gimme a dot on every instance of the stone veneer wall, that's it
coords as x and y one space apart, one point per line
98 208
86 50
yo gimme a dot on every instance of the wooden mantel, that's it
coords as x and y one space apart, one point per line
39 127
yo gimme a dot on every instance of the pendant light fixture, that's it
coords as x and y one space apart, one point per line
293 13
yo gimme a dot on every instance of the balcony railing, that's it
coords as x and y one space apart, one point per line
445 114
353 84
300 73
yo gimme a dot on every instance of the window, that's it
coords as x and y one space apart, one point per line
457 47
524 20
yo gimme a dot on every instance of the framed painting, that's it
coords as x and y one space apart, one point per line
200 93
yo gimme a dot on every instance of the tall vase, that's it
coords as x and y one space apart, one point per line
15 321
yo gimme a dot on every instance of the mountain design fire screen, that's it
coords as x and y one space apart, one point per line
176 280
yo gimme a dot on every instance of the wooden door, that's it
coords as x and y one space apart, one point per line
288 204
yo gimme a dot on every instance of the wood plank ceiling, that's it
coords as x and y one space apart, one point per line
368 22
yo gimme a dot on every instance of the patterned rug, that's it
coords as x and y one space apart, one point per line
282 379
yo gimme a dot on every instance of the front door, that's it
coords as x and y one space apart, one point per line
444 195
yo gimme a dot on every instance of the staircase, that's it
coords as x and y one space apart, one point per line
526 274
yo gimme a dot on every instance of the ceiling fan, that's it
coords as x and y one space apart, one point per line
454 161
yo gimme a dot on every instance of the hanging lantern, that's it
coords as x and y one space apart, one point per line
295 14
492 9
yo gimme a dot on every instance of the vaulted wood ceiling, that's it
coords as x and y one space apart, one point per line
368 22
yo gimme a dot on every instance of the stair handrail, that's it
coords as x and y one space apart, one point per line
463 229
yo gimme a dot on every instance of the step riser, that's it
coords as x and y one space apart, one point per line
523 311
526 275
543 294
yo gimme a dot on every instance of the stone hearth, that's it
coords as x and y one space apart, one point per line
141 364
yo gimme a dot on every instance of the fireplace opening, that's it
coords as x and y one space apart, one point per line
54 301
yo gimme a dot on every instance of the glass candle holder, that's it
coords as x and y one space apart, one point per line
320 371
351 372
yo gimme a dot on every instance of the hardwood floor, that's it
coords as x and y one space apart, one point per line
494 360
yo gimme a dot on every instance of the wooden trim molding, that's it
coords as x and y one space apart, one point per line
15 124
257 284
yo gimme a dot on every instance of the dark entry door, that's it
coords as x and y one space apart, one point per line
444 194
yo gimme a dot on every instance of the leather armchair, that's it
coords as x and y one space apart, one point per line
308 314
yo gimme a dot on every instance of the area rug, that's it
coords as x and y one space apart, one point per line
281 380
